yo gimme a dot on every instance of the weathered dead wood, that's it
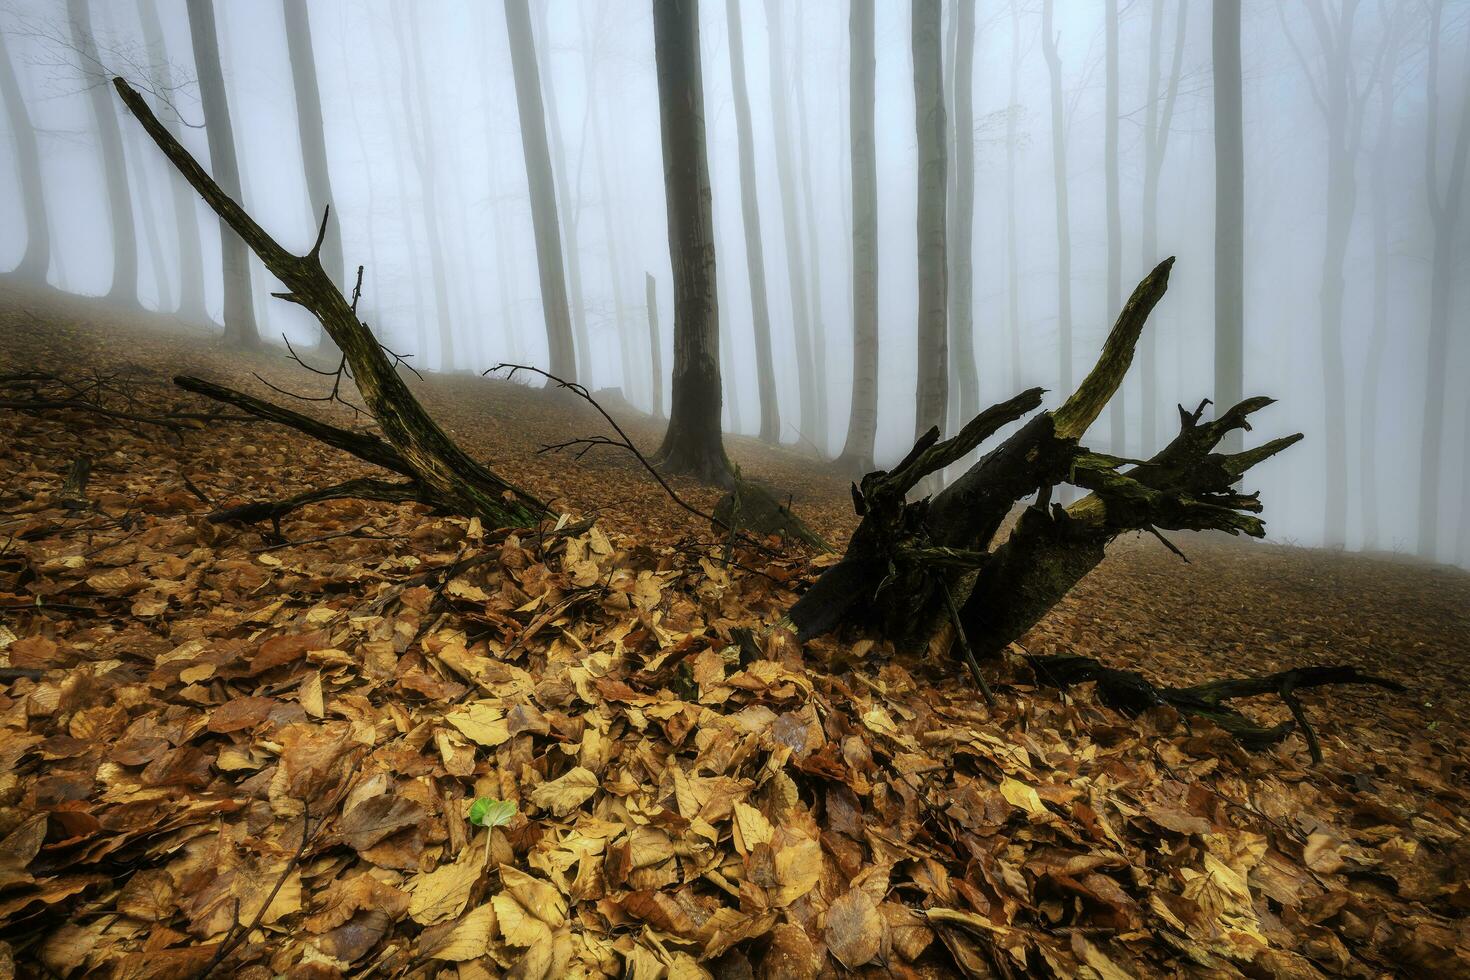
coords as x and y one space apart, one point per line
913 565
1131 693
442 472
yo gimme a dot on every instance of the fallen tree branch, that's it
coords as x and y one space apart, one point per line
443 471
1131 693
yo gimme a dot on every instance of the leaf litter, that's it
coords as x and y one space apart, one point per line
412 745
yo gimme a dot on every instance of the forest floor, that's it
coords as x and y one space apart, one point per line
258 756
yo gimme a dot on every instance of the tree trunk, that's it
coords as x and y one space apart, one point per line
1013 258
1444 211
862 423
186 223
932 392
311 129
114 163
543 194
36 261
1064 224
806 372
1378 339
966 373
239 310
1155 142
755 260
412 57
819 429
567 206
655 344
692 443
604 188
1117 440
1229 210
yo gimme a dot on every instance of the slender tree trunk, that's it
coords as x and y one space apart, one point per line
141 193
114 163
239 311
311 128
966 374
862 423
819 434
1118 438
1155 142
566 207
604 188
37 258
411 56
933 368
755 260
543 193
655 344
404 212
790 220
1013 244
1229 212
1341 202
1378 339
1064 225
186 222
1444 211
692 443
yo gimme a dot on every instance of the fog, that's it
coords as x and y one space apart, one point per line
428 179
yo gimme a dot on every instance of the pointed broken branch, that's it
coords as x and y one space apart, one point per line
443 470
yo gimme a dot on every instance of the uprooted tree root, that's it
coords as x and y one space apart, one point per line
1131 693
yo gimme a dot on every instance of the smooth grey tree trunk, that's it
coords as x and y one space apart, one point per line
966 374
604 188
186 221
1378 339
311 128
1156 125
404 212
1229 212
36 261
820 429
862 421
1118 431
239 308
135 148
568 205
421 143
755 260
1064 224
655 344
1445 205
790 221
114 163
1013 243
543 192
692 444
932 391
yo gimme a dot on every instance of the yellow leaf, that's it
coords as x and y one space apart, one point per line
470 937
443 893
563 795
480 723
1018 794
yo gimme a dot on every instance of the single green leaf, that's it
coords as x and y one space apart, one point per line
486 812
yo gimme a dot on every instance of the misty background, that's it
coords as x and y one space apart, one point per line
1355 116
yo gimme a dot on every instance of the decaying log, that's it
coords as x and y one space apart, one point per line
440 472
914 565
